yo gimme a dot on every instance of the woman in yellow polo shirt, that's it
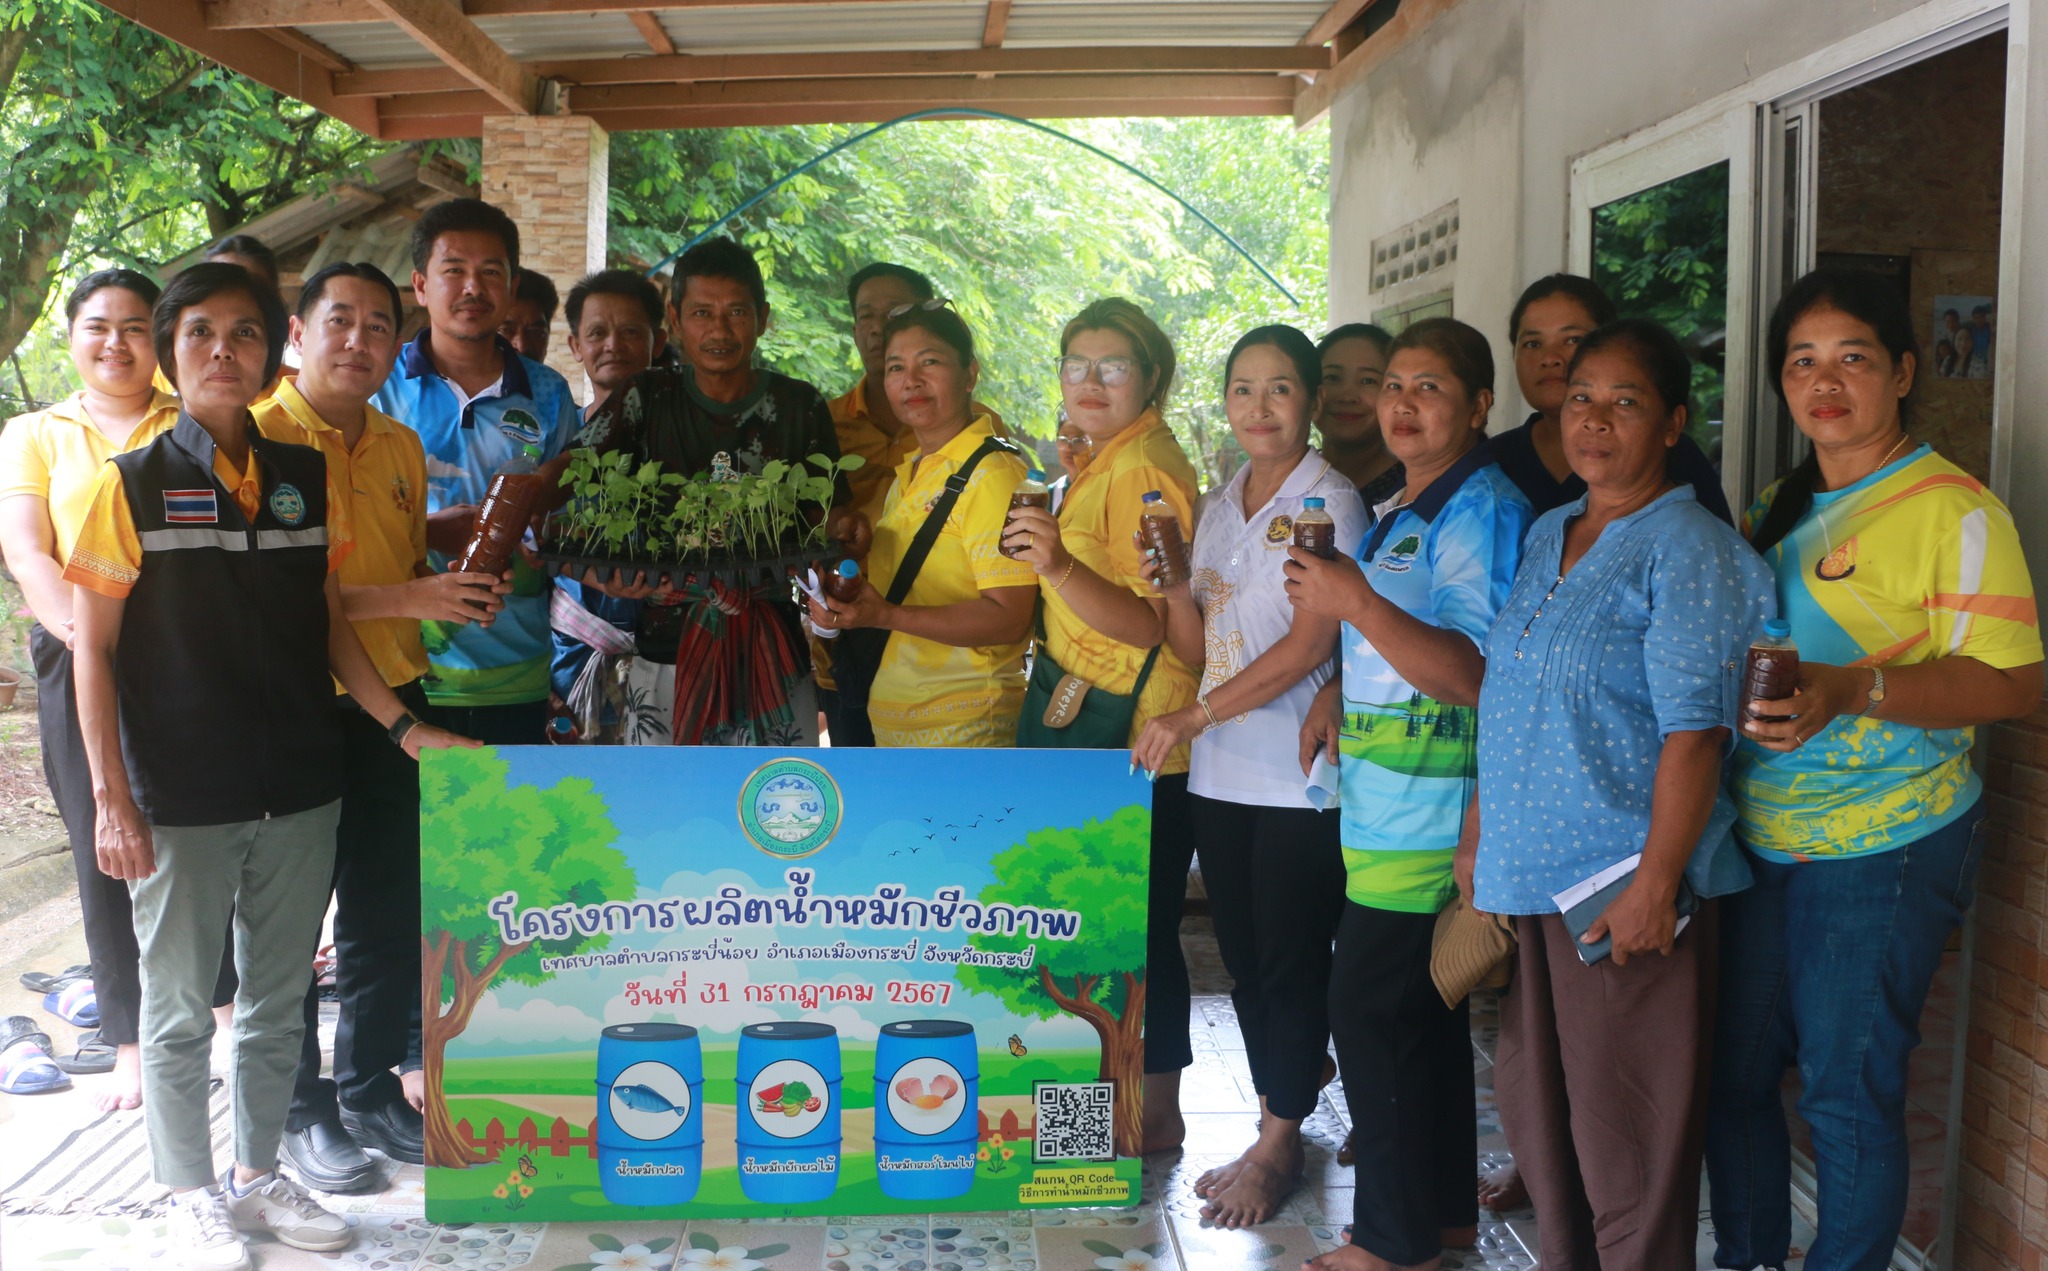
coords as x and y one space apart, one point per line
951 672
1106 625
49 461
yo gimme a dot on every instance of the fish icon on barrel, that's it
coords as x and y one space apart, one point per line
650 1113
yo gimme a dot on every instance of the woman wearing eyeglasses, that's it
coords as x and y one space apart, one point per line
1105 624
943 625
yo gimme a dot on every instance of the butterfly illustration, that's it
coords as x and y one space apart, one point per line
1017 1046
527 1167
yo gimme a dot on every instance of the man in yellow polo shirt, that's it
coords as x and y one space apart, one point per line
346 335
868 427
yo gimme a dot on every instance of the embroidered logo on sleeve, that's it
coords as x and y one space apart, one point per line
191 507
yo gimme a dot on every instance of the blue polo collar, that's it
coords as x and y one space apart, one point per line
417 359
1431 501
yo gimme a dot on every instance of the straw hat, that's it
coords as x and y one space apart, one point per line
1470 950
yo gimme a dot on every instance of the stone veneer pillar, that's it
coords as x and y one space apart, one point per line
552 175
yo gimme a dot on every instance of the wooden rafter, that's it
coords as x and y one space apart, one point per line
233 15
685 68
650 30
995 24
1339 15
462 46
310 49
1408 21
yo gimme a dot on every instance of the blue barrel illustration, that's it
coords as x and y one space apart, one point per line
927 1115
789 1136
650 1113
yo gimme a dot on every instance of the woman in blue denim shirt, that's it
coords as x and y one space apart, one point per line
1604 722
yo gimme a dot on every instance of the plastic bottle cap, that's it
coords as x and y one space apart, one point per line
848 569
1311 505
1778 629
531 451
1155 496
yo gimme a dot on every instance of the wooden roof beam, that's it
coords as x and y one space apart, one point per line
650 30
684 68
235 15
461 44
993 27
1340 14
1408 21
295 73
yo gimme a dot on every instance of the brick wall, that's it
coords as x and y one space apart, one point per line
552 175
2003 1219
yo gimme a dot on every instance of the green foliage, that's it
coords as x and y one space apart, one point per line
1662 253
641 513
1019 228
482 837
1102 863
126 148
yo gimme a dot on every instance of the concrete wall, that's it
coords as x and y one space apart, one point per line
1443 121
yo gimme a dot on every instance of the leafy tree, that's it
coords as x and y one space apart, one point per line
1662 253
124 147
1100 977
482 837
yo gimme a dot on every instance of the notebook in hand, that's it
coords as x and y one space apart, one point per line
1586 899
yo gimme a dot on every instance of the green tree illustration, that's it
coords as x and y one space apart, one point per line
480 837
1099 868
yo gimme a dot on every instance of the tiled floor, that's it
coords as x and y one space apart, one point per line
1164 1233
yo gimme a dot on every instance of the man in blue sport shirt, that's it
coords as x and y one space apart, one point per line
476 404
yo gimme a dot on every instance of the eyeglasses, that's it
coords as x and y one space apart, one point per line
928 306
1114 372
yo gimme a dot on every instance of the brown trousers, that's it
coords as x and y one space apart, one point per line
1601 1079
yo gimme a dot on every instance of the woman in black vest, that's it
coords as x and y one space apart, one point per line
208 621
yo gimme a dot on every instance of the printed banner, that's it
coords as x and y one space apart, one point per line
726 982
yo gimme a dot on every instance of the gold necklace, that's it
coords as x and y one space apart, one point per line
1904 437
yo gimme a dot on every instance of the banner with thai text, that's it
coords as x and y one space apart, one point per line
729 982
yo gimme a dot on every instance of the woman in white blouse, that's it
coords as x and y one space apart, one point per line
1270 861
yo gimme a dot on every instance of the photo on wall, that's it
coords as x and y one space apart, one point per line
1965 337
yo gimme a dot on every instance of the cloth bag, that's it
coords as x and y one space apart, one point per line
1054 718
1469 950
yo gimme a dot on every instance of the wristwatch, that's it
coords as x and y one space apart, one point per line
404 724
1876 695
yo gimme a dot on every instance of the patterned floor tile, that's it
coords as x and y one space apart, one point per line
470 1246
893 1242
774 1246
1206 1247
1144 1244
643 1246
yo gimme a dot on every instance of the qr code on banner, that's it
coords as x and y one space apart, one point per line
1076 1122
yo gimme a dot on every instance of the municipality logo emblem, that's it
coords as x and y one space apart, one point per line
287 504
790 808
1401 556
520 426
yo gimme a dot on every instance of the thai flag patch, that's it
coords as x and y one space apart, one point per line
190 507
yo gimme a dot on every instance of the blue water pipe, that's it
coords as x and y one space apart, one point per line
954 112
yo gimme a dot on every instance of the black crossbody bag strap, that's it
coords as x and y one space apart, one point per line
935 520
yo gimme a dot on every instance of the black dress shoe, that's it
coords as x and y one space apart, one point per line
393 1129
326 1159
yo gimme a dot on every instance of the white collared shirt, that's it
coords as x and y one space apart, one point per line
1238 582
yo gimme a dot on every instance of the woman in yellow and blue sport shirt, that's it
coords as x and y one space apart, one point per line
950 668
1914 614
1270 860
1105 623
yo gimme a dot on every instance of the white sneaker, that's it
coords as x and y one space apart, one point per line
281 1207
201 1228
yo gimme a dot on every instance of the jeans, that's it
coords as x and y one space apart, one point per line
1827 964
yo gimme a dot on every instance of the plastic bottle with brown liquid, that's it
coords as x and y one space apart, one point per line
1771 673
1314 531
502 517
842 582
1159 530
1031 492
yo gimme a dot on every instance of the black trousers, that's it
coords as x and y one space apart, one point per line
109 922
1407 1065
376 928
1167 1000
1275 878
519 724
848 727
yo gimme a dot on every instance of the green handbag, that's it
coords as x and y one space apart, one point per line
1101 720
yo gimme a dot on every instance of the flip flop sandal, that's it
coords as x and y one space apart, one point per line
76 1005
90 1059
44 982
25 1064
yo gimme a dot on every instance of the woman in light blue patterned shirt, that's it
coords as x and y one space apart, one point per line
1611 679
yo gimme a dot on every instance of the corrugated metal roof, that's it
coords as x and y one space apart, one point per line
816 28
856 28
